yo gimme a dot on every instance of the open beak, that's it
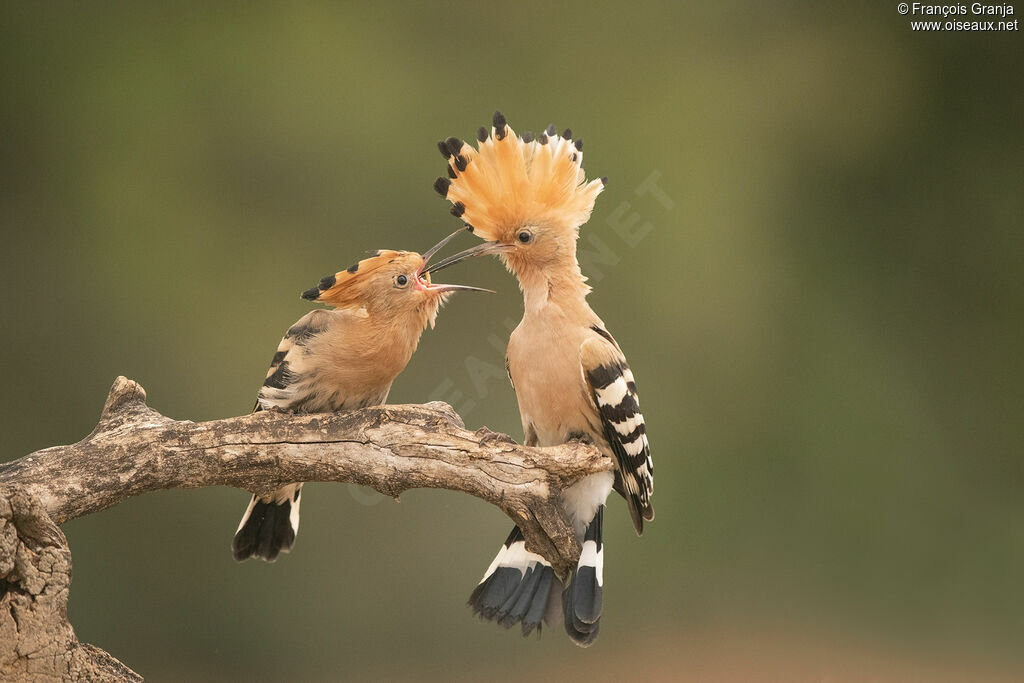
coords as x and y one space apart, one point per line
424 282
456 288
437 247
479 250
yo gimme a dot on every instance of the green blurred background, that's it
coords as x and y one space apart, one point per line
824 315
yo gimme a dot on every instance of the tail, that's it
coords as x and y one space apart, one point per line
517 588
582 599
269 525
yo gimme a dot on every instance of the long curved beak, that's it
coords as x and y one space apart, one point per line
458 288
437 247
439 287
479 250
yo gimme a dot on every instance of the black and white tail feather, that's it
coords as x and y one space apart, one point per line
520 587
268 527
517 588
582 598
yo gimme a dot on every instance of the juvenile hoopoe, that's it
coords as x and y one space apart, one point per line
528 196
341 359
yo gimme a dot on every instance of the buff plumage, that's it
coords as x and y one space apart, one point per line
527 196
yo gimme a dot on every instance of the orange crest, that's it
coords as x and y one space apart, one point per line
350 287
510 181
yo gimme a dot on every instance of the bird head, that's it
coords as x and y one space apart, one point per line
526 196
389 283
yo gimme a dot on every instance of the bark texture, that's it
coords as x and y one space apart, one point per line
36 641
135 449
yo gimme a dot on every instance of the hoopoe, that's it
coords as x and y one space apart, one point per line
342 359
528 196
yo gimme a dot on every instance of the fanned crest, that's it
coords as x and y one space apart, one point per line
511 181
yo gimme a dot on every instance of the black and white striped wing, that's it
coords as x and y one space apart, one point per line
278 390
614 393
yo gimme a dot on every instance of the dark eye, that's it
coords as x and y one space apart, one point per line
401 280
525 236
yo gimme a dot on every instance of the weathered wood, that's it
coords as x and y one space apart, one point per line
36 641
135 449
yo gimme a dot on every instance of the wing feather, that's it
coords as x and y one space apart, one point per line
613 390
275 391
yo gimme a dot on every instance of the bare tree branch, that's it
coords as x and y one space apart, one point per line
135 449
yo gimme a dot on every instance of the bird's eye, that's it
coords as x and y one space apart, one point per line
401 280
525 236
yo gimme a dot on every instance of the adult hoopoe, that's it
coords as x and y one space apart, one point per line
528 196
341 359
